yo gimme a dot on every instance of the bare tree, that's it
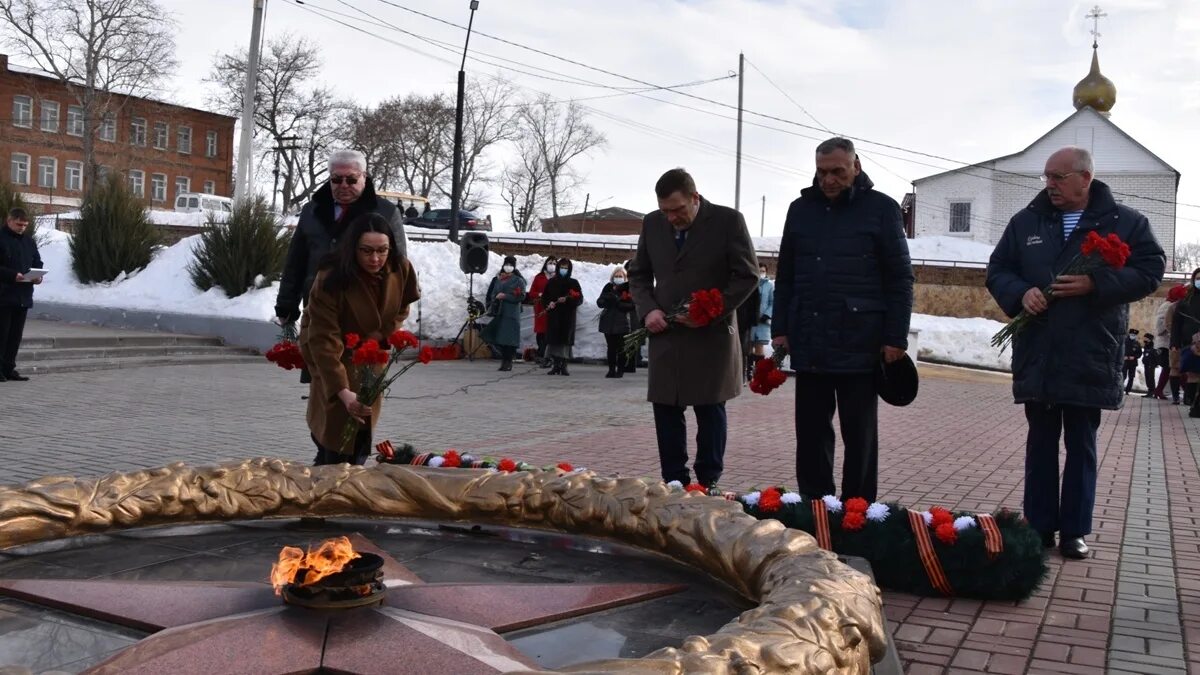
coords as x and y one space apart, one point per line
102 50
561 134
525 187
489 117
1187 256
289 105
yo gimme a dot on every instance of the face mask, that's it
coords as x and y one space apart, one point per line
1196 283
618 280
508 268
1133 335
564 272
551 268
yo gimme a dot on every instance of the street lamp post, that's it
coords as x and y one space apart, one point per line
456 177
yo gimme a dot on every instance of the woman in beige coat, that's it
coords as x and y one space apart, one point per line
364 287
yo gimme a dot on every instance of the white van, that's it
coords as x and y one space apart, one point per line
198 202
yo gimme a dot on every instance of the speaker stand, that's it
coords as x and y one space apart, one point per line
472 316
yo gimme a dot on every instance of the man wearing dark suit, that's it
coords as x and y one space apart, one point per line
843 300
687 245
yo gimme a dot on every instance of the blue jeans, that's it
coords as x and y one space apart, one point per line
671 428
1046 510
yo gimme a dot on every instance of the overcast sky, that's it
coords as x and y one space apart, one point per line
962 80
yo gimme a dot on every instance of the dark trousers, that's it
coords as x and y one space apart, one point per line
541 344
616 348
1130 372
1148 371
1045 508
361 451
854 398
671 428
12 327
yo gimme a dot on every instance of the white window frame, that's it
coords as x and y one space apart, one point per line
210 187
47 106
957 226
15 175
136 125
108 128
22 111
163 139
74 120
183 133
182 184
73 175
137 183
53 165
158 187
210 144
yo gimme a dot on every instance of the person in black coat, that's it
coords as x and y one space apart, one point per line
18 255
562 297
1149 363
1184 325
843 301
1067 363
617 319
1133 350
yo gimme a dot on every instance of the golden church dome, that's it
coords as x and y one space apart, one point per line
1095 91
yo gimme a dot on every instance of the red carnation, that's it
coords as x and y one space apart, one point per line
705 306
856 504
402 340
426 354
695 487
1092 243
769 501
574 294
564 466
352 340
853 521
451 460
507 465
285 354
946 533
941 516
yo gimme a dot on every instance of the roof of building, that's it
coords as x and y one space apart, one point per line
35 72
609 213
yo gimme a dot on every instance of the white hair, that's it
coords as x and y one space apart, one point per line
1083 159
348 158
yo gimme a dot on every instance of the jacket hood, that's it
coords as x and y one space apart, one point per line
1100 201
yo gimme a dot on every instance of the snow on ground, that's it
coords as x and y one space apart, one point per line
165 286
158 217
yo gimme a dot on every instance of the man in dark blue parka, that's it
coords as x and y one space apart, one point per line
1067 363
843 301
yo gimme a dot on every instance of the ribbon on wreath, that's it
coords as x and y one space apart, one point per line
993 541
419 460
929 559
821 524
386 449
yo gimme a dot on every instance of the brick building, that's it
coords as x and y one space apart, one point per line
163 149
612 220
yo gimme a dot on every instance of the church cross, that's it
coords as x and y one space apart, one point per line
1095 15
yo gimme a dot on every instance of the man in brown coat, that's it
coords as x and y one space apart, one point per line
688 245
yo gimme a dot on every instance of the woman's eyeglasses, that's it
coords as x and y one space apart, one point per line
368 251
348 180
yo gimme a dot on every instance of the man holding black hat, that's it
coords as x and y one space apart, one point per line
843 300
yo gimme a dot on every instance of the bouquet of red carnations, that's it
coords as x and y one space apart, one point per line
767 375
701 308
374 363
1094 253
285 353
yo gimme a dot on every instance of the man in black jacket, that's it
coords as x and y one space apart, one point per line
18 255
843 301
1068 362
1132 351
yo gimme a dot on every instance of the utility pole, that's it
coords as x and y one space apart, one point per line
280 148
242 188
762 224
456 177
737 181
583 224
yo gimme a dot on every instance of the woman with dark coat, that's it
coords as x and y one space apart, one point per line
534 297
504 297
1184 325
616 319
365 287
562 297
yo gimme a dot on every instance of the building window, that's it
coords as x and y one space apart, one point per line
137 131
47 172
210 187
161 135
75 176
75 120
22 111
960 217
182 184
19 174
158 187
137 183
49 115
210 145
108 128
185 139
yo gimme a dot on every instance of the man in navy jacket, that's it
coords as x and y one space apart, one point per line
843 300
1068 362
18 254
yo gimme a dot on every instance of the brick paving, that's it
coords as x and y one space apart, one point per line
1133 607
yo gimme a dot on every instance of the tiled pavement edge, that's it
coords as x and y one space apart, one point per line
960 445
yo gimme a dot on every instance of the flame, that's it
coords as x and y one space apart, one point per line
330 557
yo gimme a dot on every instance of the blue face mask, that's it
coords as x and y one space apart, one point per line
1196 283
564 272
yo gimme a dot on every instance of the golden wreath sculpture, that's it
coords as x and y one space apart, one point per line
815 614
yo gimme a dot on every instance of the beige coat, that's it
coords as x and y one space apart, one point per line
694 366
328 317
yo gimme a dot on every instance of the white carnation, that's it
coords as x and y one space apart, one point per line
964 523
467 459
832 504
878 512
675 485
436 461
927 517
751 498
791 498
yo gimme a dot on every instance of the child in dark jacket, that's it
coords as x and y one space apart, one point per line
1149 363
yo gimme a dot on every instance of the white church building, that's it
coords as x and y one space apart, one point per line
976 202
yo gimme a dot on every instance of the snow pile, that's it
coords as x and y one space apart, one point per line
157 217
943 248
964 342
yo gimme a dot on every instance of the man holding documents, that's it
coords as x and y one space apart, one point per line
20 270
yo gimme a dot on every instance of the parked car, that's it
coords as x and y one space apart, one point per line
196 202
440 219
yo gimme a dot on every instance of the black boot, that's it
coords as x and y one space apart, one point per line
506 364
562 367
554 369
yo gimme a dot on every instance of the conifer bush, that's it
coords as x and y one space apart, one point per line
114 234
244 252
